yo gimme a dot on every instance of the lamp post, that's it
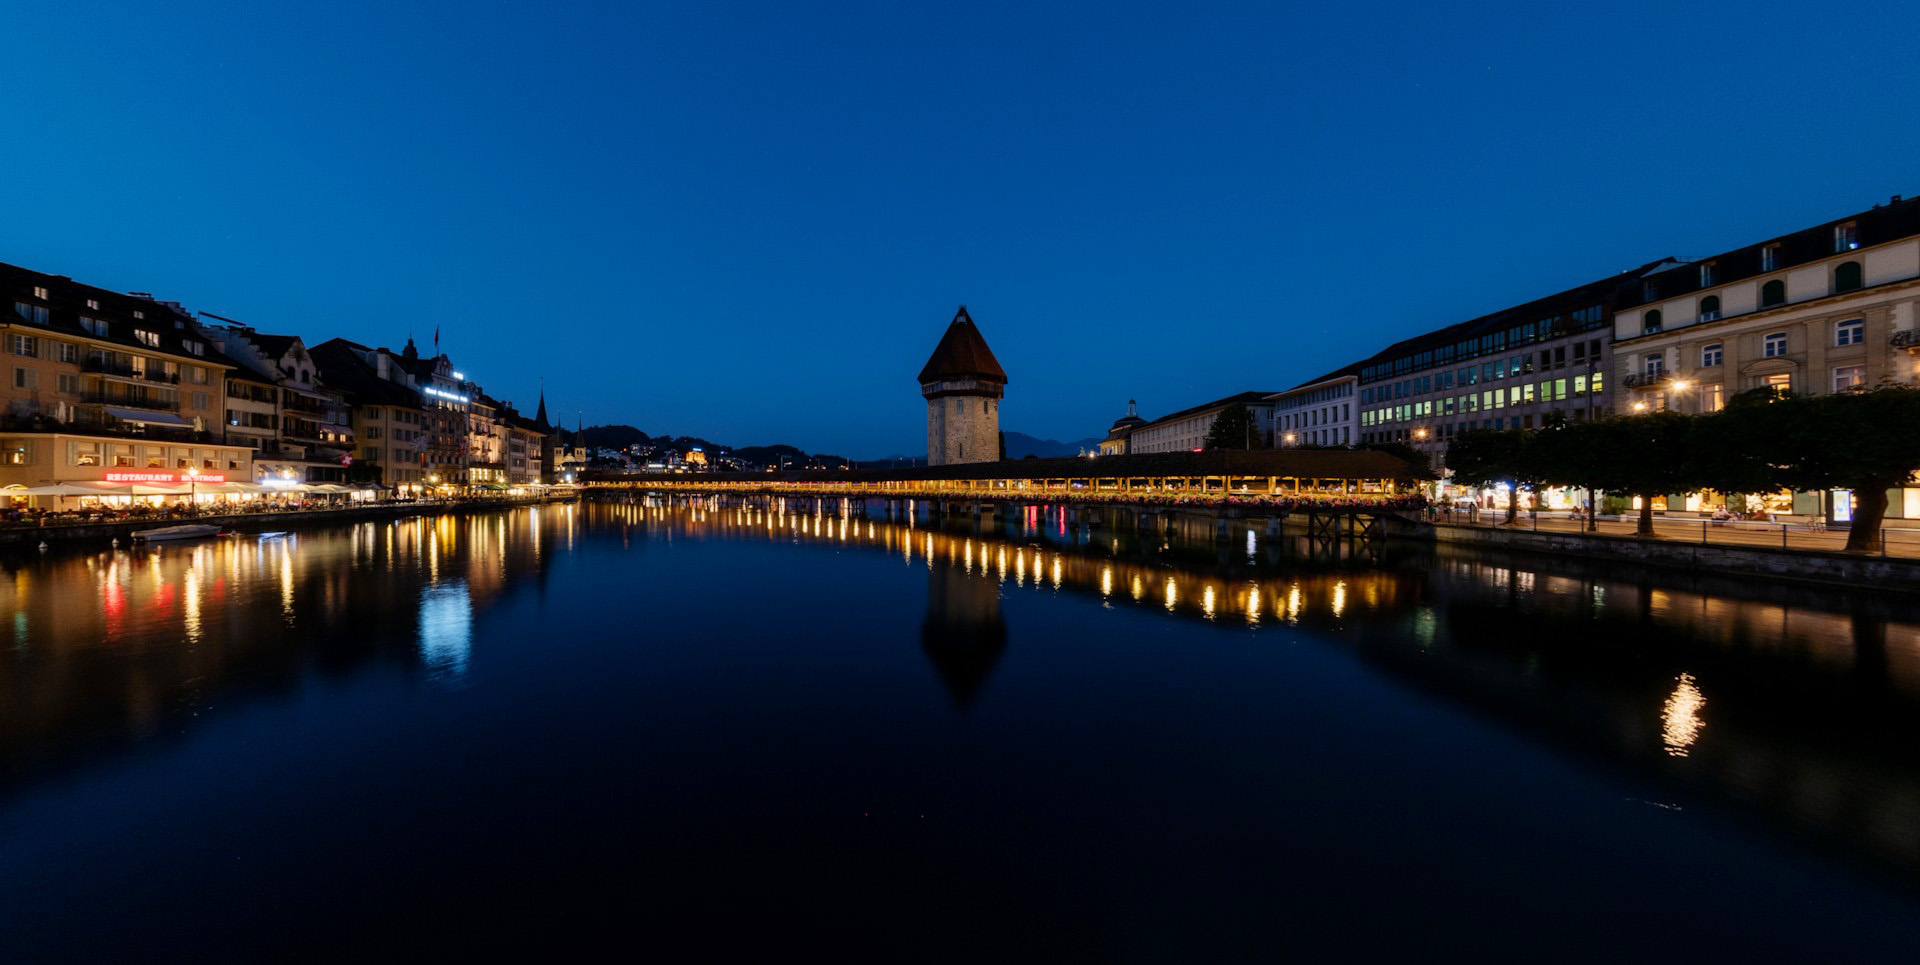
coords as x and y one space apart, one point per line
193 490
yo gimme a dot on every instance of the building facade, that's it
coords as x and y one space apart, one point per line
1186 430
1513 369
1321 412
963 385
102 384
1119 440
1829 308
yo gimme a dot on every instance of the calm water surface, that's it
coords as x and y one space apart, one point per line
746 732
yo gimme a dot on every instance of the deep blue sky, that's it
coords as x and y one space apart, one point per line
752 221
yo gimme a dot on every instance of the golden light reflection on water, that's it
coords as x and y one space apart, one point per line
1681 720
1207 603
1173 594
1253 604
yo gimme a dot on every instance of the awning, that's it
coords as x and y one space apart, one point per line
147 418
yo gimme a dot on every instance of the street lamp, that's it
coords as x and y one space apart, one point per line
1420 434
193 491
1639 407
1289 438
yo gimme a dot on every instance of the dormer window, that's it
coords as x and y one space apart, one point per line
149 339
40 293
1769 257
93 304
1649 291
1846 237
1707 277
139 314
94 326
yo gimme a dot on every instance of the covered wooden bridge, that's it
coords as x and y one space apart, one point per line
1349 477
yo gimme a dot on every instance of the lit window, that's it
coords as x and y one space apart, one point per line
1774 346
1713 397
1846 237
1851 332
1780 385
40 293
149 339
93 304
1848 377
1710 355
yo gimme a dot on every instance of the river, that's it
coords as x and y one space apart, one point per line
695 731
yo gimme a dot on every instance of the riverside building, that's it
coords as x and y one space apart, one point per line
1320 412
1186 430
102 387
1513 369
1829 308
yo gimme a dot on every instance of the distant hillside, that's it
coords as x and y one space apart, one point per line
1020 446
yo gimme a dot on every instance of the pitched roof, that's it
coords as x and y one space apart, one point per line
342 368
962 353
1240 398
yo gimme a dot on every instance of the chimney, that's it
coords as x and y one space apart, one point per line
380 364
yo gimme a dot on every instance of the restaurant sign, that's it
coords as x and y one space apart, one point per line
166 478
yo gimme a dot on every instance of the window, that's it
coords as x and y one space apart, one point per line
1709 308
139 314
1710 355
26 345
69 353
94 326
1652 323
1649 291
68 383
1846 237
1773 293
1770 258
1654 365
1707 279
149 339
1779 385
93 304
36 314
26 379
1713 397
1846 276
1850 332
1774 346
1849 377
40 293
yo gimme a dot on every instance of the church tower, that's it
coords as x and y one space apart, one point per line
963 384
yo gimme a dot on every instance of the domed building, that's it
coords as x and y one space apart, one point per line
1116 443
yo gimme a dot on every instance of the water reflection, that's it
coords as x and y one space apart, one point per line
106 645
1795 703
1812 691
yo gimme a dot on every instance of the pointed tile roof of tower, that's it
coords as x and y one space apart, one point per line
540 416
962 353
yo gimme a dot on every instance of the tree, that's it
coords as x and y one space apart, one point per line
1482 457
1233 428
1859 441
1647 455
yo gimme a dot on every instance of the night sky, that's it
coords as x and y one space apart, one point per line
752 221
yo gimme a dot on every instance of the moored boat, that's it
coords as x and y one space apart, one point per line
184 531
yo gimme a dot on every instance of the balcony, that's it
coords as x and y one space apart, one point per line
89 424
1647 380
1907 339
102 367
98 397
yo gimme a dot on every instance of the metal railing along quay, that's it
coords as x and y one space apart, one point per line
1892 541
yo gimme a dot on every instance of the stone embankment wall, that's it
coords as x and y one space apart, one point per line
1843 569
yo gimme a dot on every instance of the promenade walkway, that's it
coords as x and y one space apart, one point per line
1900 540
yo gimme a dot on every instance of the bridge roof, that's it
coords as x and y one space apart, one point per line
1296 463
